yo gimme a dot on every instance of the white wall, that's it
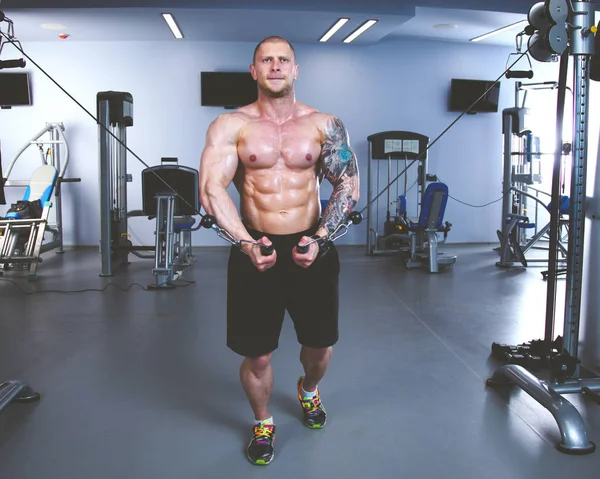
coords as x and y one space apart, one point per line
401 85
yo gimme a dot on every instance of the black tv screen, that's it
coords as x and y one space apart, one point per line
227 89
464 94
15 89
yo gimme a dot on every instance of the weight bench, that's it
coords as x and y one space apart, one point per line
22 229
423 234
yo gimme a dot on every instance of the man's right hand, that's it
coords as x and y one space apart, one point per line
261 261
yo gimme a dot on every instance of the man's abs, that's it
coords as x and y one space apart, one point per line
279 202
277 179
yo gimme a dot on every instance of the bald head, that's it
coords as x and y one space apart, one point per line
273 39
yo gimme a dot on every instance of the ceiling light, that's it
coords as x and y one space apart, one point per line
360 30
333 29
445 26
172 25
499 30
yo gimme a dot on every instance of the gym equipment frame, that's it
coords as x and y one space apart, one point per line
169 195
173 209
45 182
417 240
16 391
522 169
115 115
551 20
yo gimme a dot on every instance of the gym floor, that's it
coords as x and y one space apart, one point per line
139 384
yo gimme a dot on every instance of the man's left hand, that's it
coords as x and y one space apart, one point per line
306 259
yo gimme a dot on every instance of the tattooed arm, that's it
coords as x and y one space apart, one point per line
339 165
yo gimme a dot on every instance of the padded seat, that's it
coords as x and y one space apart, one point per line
431 222
41 185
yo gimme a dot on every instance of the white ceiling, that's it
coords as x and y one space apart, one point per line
300 22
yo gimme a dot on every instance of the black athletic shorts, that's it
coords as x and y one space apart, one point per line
257 301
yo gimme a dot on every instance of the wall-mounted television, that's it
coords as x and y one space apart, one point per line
15 89
464 94
227 89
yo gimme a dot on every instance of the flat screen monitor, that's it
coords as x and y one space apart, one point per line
464 94
227 89
14 89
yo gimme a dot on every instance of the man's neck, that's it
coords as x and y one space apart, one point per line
278 110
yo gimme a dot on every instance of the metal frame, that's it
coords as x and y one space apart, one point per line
392 146
54 151
16 391
115 114
549 393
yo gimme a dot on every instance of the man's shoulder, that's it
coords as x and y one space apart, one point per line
231 123
237 117
320 118
324 121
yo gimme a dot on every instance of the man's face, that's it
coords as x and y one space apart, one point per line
274 69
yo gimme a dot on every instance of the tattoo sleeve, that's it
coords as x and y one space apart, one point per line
339 166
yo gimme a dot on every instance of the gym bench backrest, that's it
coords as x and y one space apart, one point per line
434 206
41 185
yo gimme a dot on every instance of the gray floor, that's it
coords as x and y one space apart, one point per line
139 384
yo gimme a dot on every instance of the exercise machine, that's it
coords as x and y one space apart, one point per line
169 196
393 148
173 208
416 240
115 115
552 24
24 228
424 233
522 171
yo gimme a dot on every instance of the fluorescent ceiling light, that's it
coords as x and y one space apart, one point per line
360 30
333 29
172 25
499 30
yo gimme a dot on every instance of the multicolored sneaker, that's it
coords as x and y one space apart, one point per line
315 416
260 449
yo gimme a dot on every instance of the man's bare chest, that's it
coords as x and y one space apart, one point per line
293 145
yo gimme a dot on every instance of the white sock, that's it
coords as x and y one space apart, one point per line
309 395
265 421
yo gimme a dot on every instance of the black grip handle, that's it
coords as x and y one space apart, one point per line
302 248
355 217
519 74
266 250
12 64
208 221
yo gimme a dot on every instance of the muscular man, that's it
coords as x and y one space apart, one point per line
276 152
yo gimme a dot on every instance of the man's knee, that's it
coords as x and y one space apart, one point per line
258 364
317 354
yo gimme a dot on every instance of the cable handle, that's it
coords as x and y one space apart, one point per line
354 218
210 222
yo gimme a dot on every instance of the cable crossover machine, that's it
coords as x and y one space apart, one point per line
558 30
417 240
